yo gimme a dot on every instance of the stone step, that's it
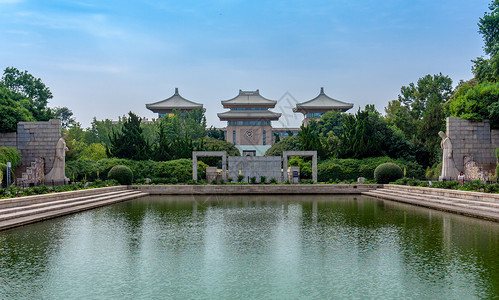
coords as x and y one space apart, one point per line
60 201
28 200
35 211
11 223
431 197
478 211
480 196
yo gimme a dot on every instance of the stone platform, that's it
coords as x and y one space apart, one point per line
476 204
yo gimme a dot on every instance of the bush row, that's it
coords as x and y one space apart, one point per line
351 169
16 191
179 170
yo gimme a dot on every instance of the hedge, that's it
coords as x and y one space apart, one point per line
351 169
180 169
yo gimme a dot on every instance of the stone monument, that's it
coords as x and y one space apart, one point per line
58 173
449 170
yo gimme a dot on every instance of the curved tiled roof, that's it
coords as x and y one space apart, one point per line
249 99
322 102
174 102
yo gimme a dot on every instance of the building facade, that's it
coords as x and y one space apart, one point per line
249 120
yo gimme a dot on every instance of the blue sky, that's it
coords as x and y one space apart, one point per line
105 58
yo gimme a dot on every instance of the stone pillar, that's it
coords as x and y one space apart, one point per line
284 166
194 166
224 166
314 167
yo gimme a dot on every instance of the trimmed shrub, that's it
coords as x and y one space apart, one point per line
122 174
332 170
387 172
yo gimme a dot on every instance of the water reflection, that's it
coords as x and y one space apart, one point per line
253 247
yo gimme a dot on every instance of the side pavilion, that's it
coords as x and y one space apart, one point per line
315 108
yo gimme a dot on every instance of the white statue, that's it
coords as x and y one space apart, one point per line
449 170
58 172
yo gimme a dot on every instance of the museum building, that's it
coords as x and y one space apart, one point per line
249 118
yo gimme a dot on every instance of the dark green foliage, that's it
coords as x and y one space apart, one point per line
330 122
292 143
310 140
360 138
240 178
476 102
253 180
122 174
387 172
129 143
305 164
11 111
277 137
181 169
263 179
428 90
489 28
29 92
350 169
214 133
273 180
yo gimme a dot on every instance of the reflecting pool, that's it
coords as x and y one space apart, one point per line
252 247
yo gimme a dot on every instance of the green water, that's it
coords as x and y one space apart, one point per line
252 247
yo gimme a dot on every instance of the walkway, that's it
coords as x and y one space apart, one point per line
25 210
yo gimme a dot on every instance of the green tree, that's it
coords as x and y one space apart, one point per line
129 143
488 27
399 116
360 138
11 111
310 140
474 101
331 122
65 115
215 133
487 69
26 86
291 143
427 91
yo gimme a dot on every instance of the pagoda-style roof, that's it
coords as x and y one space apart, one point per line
249 99
322 103
259 115
174 102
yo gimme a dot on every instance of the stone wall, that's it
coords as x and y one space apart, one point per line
34 140
8 139
474 141
255 166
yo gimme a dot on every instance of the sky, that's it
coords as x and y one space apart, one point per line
105 58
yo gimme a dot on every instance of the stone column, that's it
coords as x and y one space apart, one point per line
194 166
224 166
314 167
284 166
